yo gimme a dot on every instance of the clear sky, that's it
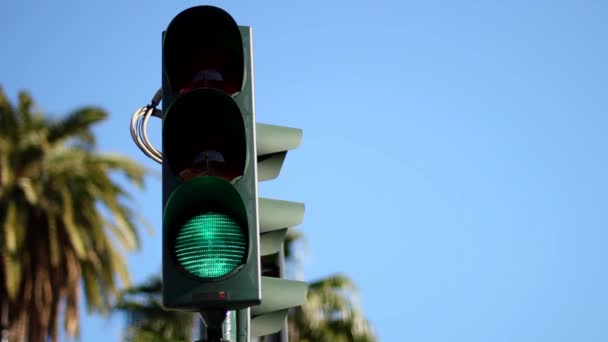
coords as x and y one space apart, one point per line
454 161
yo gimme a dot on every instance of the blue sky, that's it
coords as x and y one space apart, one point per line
454 157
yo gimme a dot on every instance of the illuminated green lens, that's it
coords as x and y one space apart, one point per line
210 245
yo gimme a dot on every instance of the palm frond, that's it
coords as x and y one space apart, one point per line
25 105
67 221
148 320
9 122
152 287
331 313
134 172
11 225
293 236
76 124
13 274
120 266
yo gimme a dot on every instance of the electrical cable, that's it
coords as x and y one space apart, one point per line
139 126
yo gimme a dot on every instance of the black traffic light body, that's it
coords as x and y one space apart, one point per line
210 210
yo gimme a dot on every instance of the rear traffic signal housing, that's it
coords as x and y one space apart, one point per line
275 217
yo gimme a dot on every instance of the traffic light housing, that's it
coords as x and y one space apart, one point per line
275 217
210 212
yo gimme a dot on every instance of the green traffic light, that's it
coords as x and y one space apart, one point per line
210 245
210 241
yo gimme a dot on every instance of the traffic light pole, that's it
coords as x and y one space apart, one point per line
242 325
219 326
236 327
214 325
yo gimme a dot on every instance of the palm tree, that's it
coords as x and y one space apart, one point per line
63 220
331 313
148 321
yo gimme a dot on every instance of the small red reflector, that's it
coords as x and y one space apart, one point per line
209 295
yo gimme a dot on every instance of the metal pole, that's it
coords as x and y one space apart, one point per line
229 327
242 325
202 330
218 326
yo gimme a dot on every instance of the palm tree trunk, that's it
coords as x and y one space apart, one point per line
4 320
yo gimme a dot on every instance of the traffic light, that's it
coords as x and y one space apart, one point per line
275 216
211 255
